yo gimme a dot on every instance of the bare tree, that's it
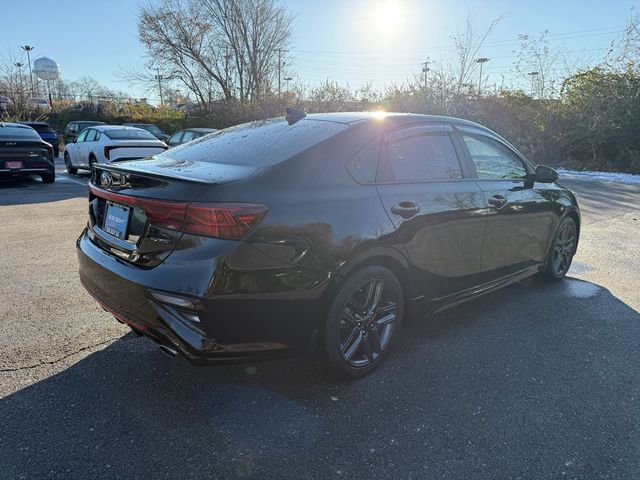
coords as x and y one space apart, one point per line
538 63
468 44
231 48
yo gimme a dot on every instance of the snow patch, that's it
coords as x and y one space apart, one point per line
602 176
580 289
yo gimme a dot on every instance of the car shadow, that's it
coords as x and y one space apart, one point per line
534 380
30 190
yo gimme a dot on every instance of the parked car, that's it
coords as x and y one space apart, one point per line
318 233
38 104
150 127
24 153
72 129
188 134
47 134
103 144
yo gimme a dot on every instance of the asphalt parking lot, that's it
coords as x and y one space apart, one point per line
537 381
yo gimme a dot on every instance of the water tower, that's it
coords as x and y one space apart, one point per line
46 69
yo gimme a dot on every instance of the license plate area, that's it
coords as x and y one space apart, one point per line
14 164
116 220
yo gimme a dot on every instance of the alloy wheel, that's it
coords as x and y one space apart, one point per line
367 323
564 248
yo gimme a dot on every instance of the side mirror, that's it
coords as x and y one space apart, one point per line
545 174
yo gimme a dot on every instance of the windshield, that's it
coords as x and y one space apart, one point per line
258 143
129 134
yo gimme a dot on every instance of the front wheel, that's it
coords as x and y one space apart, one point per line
562 250
363 320
67 164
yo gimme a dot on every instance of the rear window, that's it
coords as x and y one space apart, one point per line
42 128
26 133
258 143
129 134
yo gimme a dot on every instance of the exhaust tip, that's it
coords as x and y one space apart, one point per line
169 350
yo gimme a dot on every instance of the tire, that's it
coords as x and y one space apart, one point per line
48 177
67 163
363 320
92 162
562 250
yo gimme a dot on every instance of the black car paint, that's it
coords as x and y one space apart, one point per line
35 153
268 294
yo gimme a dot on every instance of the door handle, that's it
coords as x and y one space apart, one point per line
497 201
405 209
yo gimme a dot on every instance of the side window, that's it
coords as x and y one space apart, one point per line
492 159
188 136
175 138
91 135
82 136
362 167
420 158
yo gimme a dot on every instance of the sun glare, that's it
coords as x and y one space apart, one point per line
386 16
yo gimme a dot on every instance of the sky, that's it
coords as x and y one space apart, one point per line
349 41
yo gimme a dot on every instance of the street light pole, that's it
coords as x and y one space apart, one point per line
159 78
481 61
29 49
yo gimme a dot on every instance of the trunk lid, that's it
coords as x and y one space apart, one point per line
159 184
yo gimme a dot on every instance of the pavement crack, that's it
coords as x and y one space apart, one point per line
57 360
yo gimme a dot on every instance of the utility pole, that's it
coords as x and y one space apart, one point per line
425 72
159 78
481 61
29 49
280 72
533 75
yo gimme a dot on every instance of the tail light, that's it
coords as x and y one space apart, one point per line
50 153
231 221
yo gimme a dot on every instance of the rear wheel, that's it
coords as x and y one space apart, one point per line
67 163
562 250
48 177
363 321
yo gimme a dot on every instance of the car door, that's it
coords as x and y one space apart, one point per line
90 144
436 206
520 212
78 155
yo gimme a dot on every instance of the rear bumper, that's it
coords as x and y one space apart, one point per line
5 172
235 330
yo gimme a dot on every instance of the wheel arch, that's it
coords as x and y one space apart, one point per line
387 257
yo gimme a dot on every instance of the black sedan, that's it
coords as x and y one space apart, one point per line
23 152
318 233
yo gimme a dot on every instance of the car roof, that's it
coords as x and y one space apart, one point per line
35 123
357 117
103 128
14 124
